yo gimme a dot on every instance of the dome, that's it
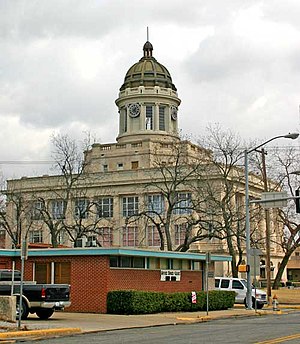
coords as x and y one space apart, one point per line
148 72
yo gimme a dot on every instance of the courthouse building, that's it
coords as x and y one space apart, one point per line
122 183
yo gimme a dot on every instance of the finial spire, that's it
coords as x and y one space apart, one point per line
148 46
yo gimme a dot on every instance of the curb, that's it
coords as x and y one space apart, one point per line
47 332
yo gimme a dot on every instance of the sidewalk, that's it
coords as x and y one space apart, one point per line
64 323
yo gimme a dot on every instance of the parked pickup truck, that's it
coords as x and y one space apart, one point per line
42 299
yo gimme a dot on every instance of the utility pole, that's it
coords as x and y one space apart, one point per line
268 238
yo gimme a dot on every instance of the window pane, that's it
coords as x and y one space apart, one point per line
225 283
149 117
105 207
62 273
162 118
43 272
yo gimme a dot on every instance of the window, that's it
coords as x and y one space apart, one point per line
180 233
58 209
156 203
225 283
237 285
37 207
162 125
130 205
217 281
149 117
153 236
183 204
62 237
120 166
130 236
127 262
35 237
58 272
105 168
125 120
105 207
91 241
134 165
82 208
105 237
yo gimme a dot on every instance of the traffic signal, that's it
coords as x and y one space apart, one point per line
297 200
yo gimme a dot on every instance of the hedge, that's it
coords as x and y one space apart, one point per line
146 302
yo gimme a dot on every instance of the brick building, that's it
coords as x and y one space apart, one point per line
93 272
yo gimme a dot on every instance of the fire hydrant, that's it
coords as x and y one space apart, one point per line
275 303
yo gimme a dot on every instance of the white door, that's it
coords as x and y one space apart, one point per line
240 290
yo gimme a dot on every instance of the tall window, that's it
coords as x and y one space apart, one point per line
180 231
149 117
62 237
105 207
37 207
58 209
130 205
105 237
125 120
156 203
35 237
153 236
183 204
130 236
82 208
162 124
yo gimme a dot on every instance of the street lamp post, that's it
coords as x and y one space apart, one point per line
247 209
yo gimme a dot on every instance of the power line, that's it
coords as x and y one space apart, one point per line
26 162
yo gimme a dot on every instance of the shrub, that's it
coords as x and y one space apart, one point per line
146 302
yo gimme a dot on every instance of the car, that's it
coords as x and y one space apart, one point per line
239 285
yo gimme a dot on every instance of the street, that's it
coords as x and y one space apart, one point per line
238 330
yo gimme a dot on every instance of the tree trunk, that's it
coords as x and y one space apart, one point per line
280 271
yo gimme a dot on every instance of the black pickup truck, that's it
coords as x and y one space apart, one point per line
42 299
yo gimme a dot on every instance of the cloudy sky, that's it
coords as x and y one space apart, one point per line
62 63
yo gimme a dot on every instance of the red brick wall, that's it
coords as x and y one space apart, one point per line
121 279
88 280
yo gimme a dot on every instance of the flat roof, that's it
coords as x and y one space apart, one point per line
113 251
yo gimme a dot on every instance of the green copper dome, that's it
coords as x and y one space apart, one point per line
148 72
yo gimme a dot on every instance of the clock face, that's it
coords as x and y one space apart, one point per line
134 110
174 114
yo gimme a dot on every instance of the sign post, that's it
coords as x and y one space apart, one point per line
207 260
24 255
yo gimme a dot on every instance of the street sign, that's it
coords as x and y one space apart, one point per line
255 251
274 199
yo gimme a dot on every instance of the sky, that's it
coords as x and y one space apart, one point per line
62 62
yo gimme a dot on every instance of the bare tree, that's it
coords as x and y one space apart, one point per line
16 218
220 191
284 173
68 155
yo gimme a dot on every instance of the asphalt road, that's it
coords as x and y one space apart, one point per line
245 330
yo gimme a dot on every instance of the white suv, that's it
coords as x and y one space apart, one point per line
239 285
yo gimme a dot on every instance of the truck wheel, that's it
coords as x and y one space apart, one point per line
44 314
260 305
253 302
25 310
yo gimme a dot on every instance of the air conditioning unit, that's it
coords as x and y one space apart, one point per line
81 242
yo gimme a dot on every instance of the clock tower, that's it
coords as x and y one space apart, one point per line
148 102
